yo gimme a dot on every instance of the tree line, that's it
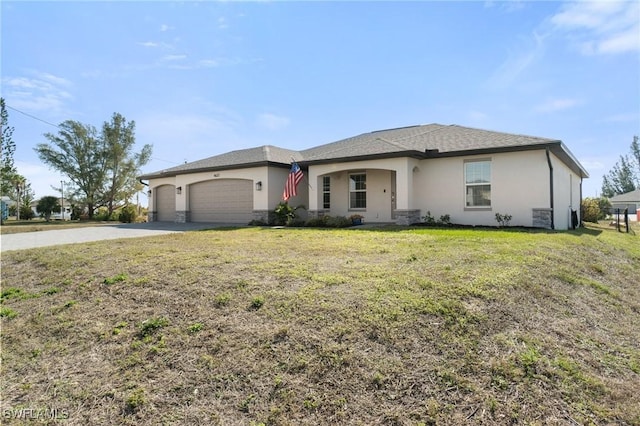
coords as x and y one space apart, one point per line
625 175
101 166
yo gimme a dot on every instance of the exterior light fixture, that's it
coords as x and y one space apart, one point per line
149 193
259 185
179 190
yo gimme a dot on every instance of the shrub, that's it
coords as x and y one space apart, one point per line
595 209
444 220
286 214
151 325
26 213
503 219
338 222
256 303
128 214
428 219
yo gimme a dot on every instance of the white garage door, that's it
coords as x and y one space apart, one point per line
166 203
222 200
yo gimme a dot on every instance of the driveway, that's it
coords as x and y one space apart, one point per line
27 240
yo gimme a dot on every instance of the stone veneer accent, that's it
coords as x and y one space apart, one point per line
407 217
542 218
265 216
183 216
315 214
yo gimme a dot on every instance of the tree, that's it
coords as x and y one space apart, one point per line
46 205
625 175
101 167
123 165
621 179
595 209
635 155
77 152
8 148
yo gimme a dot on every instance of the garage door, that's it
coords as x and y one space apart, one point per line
166 203
222 200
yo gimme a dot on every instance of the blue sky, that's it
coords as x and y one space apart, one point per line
203 78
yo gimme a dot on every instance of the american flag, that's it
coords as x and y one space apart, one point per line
294 178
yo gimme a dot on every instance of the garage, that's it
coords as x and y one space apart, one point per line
222 201
165 196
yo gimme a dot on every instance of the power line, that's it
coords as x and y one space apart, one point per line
58 127
33 116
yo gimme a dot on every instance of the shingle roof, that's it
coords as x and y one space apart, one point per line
241 158
628 197
407 141
439 137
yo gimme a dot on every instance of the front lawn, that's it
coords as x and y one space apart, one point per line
304 327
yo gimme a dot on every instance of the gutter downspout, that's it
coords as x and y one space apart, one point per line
551 189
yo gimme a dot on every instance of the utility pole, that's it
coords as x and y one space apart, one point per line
62 199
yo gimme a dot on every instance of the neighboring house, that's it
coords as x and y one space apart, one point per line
63 214
387 176
630 201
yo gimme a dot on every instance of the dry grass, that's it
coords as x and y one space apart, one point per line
35 225
299 326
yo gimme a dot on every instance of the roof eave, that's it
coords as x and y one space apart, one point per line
174 173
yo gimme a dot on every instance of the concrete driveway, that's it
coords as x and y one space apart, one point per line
27 240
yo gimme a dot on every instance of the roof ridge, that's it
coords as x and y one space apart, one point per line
503 133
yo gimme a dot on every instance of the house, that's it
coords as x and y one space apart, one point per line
63 214
388 176
629 201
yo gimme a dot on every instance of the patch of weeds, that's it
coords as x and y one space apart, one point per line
115 279
149 326
529 360
195 327
15 293
378 379
311 402
50 291
240 284
134 401
221 300
8 313
569 278
208 361
244 405
118 327
256 303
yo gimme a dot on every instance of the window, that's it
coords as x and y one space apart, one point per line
477 176
326 192
358 191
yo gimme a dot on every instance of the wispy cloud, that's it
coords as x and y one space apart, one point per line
174 57
530 51
271 121
155 44
37 91
164 28
603 27
557 104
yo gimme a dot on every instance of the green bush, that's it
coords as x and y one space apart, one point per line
284 214
595 209
128 214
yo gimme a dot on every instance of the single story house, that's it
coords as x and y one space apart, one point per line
630 201
386 176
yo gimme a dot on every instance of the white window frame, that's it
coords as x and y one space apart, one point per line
355 189
326 192
479 179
